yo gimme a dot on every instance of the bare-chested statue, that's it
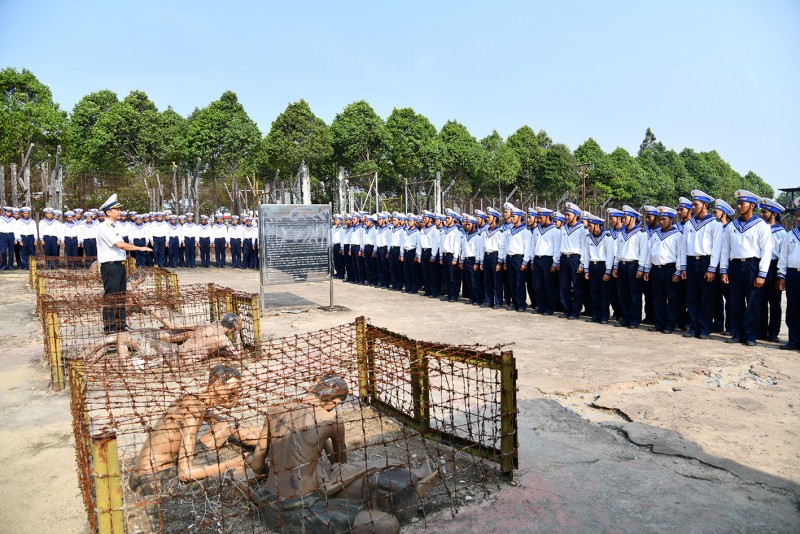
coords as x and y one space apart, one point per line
310 487
172 447
180 345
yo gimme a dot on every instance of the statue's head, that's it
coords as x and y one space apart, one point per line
331 389
230 321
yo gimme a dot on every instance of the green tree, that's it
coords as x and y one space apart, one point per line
79 133
360 139
461 156
753 182
500 163
27 115
297 135
409 136
223 136
525 144
558 172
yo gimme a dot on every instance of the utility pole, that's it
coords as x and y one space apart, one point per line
583 171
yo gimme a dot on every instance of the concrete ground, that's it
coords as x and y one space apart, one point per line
620 430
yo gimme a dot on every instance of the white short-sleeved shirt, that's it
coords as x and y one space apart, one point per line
107 236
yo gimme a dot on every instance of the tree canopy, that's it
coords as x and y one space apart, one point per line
131 137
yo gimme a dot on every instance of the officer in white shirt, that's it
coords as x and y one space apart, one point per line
597 259
664 250
111 256
570 270
744 264
545 244
789 280
629 259
771 309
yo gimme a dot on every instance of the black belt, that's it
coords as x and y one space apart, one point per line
595 262
429 248
746 259
569 254
515 255
672 265
699 257
395 246
540 257
625 262
490 253
117 262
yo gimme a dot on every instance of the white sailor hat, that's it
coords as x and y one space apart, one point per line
235 218
204 217
25 209
139 215
132 213
402 216
532 212
771 205
470 219
69 213
558 216
428 214
181 217
544 211
88 214
173 216
651 210
9 208
629 211
593 219
493 212
371 218
337 216
518 212
451 213
57 213
15 210
701 196
123 213
93 210
110 203
218 215
664 211
724 206
101 214
480 213
746 196
78 210
167 212
508 206
572 208
684 202
46 210
383 215
584 214
440 216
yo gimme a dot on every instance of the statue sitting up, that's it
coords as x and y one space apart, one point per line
311 488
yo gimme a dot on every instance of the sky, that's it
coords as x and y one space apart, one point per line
705 74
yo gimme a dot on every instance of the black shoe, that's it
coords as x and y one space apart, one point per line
789 346
563 316
572 317
633 327
690 333
733 340
653 329
774 339
702 336
548 313
750 343
603 322
590 320
621 325
668 331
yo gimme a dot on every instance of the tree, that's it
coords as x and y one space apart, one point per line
360 139
27 115
223 136
500 164
461 156
79 133
525 144
409 135
754 183
297 135
558 172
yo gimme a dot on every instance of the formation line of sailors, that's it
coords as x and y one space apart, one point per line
701 267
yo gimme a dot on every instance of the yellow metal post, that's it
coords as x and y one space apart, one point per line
54 350
107 486
420 387
509 437
32 271
256 322
361 353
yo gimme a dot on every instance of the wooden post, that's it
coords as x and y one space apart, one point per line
420 388
14 200
26 180
77 388
361 353
54 345
107 487
32 272
2 185
509 437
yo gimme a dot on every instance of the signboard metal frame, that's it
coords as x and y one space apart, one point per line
304 226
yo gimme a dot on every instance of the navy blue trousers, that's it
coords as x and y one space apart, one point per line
141 257
173 251
570 285
27 249
395 268
236 252
745 299
160 251
516 280
492 281
630 293
600 291
383 267
771 309
699 295
410 271
7 251
666 297
793 305
545 283
205 252
219 252
190 252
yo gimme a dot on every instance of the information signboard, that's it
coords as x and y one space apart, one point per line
294 243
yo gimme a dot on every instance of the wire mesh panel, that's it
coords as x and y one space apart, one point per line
276 440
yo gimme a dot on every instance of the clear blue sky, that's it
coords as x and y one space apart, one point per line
721 75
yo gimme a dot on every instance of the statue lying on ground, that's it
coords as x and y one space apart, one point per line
181 345
172 448
311 488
